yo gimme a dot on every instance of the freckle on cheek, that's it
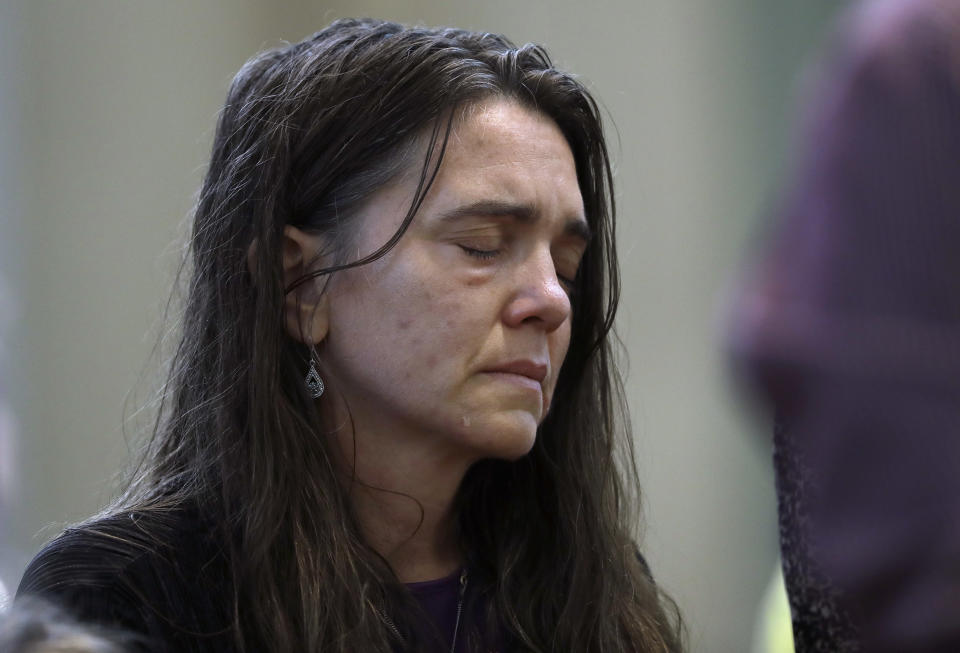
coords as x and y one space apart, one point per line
403 325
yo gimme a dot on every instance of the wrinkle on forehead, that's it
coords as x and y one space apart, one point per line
501 163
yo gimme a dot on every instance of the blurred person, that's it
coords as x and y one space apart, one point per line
850 324
36 627
393 421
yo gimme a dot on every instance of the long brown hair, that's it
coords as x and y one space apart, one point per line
308 132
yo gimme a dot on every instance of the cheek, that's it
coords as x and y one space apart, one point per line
413 316
428 322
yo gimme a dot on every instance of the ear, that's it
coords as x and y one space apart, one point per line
306 311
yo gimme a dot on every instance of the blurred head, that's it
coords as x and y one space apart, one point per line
31 626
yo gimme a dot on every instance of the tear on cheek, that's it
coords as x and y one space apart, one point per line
466 420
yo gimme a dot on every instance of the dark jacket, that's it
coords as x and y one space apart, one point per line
162 581
160 577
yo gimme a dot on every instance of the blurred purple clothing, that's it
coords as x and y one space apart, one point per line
850 324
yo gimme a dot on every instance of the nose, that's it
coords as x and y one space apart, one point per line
538 298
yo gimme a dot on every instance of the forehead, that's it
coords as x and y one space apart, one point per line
500 150
498 121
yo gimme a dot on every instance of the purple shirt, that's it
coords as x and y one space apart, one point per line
440 599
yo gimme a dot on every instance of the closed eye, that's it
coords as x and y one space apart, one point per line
567 265
483 254
570 285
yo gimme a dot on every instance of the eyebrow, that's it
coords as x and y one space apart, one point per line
524 213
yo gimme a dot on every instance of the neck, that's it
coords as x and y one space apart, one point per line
403 490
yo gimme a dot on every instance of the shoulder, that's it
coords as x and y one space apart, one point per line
95 552
105 552
150 573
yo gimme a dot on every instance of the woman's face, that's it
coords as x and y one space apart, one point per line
457 335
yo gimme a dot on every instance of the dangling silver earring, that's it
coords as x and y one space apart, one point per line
313 381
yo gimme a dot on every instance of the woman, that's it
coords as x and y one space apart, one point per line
392 419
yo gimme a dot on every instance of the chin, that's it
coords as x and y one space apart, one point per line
505 441
515 452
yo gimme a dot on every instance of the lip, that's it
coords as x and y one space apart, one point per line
524 368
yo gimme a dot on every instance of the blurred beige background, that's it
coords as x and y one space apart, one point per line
107 108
